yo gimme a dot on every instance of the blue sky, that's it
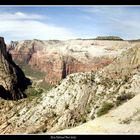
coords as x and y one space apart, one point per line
68 22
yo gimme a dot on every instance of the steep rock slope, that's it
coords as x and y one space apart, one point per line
123 120
61 58
79 98
11 76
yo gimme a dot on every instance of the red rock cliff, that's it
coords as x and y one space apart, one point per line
54 64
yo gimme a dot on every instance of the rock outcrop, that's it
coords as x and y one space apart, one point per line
61 58
123 120
80 97
12 79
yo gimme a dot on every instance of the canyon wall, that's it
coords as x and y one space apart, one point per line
12 79
61 58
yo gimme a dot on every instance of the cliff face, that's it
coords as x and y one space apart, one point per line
63 66
12 79
61 58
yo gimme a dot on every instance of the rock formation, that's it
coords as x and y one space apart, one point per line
61 58
80 97
12 79
123 120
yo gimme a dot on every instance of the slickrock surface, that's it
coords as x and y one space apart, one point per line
123 120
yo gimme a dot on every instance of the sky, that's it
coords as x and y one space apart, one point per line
68 22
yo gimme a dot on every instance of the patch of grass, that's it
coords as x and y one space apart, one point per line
105 108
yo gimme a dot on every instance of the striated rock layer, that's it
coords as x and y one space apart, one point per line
12 79
123 120
61 58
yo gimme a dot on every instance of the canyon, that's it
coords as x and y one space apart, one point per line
84 96
57 59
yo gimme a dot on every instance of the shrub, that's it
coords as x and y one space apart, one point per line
31 91
88 109
66 106
18 115
92 77
84 120
51 96
125 97
54 114
126 121
122 98
104 109
85 81
118 102
126 78
40 90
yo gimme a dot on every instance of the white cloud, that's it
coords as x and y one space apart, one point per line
19 16
20 26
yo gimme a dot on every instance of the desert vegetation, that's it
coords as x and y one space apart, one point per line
104 108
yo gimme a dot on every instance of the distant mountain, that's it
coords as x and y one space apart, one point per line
108 38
